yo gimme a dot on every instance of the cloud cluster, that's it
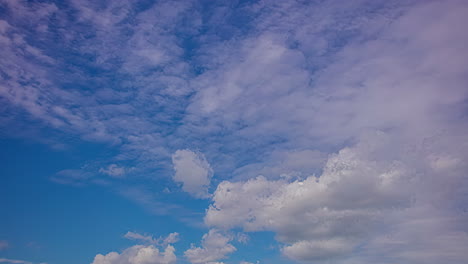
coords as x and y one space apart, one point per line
381 199
143 254
340 127
138 254
215 246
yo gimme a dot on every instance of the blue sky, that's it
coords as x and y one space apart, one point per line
209 132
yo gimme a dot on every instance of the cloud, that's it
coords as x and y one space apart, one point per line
14 261
171 238
164 241
215 246
338 126
371 202
113 170
138 255
193 171
143 238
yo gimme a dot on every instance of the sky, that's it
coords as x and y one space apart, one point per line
233 132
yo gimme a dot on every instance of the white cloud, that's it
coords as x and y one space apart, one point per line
164 241
215 246
306 81
138 255
193 171
171 238
113 170
384 187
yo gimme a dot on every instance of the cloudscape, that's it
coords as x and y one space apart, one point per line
233 132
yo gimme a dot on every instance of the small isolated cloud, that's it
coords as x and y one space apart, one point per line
113 170
193 171
139 254
215 246
4 244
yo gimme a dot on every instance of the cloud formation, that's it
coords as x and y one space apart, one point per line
193 172
164 241
370 203
215 246
113 170
339 126
138 254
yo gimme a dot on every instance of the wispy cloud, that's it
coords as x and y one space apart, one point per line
164 241
15 261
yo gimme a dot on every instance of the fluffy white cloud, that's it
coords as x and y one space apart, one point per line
382 197
138 254
193 171
215 246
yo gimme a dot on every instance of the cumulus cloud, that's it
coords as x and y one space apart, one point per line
215 246
366 205
138 254
193 171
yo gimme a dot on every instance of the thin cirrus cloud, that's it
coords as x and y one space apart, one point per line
339 127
